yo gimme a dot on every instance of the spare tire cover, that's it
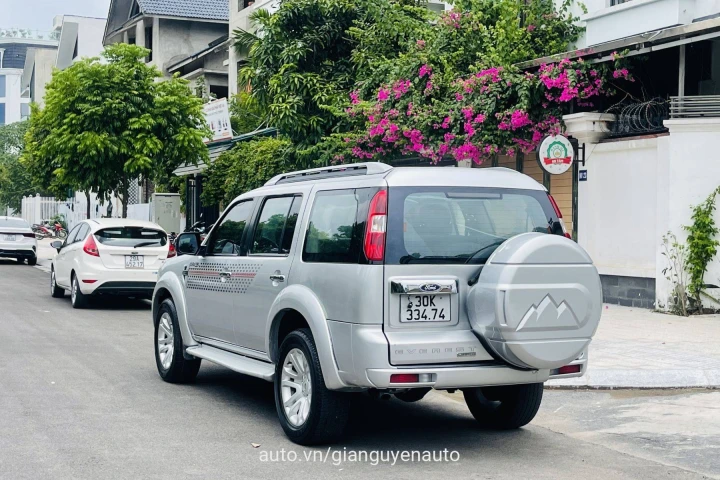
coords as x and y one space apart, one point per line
538 301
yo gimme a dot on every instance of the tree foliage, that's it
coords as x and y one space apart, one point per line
702 245
247 166
15 180
107 123
301 66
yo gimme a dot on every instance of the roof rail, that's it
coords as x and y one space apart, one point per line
350 170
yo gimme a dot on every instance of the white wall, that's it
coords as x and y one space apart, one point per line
13 90
617 207
688 173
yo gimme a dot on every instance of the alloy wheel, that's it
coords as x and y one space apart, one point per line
296 387
73 292
166 340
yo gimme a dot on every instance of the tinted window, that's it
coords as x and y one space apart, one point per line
13 223
461 225
71 236
228 236
276 225
2 114
82 233
132 237
2 85
334 233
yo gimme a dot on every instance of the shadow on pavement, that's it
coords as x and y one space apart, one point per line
432 423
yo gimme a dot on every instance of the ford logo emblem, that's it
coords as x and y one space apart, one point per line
430 287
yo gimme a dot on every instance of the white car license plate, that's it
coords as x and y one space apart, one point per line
9 238
424 308
134 261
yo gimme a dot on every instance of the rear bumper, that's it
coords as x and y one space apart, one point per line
21 251
361 355
130 289
116 281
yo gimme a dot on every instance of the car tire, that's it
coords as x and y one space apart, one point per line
171 363
77 298
32 261
326 412
504 407
55 290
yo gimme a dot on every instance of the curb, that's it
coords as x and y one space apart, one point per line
610 379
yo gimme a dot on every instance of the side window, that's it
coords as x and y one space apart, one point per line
334 234
71 236
227 237
276 226
82 233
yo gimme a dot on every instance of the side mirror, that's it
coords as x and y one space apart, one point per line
187 243
57 245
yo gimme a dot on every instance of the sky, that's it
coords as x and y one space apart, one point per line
39 14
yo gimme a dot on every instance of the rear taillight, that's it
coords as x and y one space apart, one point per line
375 227
171 251
559 216
90 246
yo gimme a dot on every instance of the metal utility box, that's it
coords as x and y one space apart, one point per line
165 211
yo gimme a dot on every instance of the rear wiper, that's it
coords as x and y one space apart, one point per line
144 244
476 277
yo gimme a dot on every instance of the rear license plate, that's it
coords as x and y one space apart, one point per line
134 261
424 308
9 238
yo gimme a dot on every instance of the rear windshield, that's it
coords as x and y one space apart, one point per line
13 223
134 237
461 225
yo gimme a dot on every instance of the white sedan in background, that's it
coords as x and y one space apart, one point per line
109 256
17 240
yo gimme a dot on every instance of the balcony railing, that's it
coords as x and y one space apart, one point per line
695 106
25 33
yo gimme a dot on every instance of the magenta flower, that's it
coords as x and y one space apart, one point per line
355 97
424 70
459 97
383 94
480 118
467 113
519 118
446 122
420 44
530 28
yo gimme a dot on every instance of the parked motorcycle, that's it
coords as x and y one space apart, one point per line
59 231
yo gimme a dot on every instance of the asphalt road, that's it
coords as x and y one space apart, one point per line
80 398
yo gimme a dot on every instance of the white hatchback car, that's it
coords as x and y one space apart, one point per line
109 256
17 240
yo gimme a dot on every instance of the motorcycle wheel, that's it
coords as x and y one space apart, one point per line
62 234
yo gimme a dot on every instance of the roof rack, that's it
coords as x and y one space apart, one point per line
350 170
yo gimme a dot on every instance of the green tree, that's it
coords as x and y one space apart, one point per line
108 123
247 166
300 64
15 180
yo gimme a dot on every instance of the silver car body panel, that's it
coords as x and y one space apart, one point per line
350 307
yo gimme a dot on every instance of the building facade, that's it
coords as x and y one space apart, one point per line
181 35
650 153
15 97
79 37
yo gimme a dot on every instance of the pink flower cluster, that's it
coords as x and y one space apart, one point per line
401 87
355 97
452 18
424 70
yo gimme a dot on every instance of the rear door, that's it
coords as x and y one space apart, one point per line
266 270
438 238
214 280
132 247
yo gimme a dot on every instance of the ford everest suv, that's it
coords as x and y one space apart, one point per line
396 281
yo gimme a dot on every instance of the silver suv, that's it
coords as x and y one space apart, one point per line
389 280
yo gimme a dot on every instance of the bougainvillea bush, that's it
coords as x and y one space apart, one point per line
458 93
496 110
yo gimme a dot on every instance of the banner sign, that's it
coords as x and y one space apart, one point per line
555 154
217 116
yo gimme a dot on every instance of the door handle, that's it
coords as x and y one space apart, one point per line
277 278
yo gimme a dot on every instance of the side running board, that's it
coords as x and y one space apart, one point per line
237 363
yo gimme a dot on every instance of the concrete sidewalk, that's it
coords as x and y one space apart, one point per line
637 348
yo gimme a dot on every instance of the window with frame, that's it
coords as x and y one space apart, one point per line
2 86
334 234
71 236
276 226
82 233
227 238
